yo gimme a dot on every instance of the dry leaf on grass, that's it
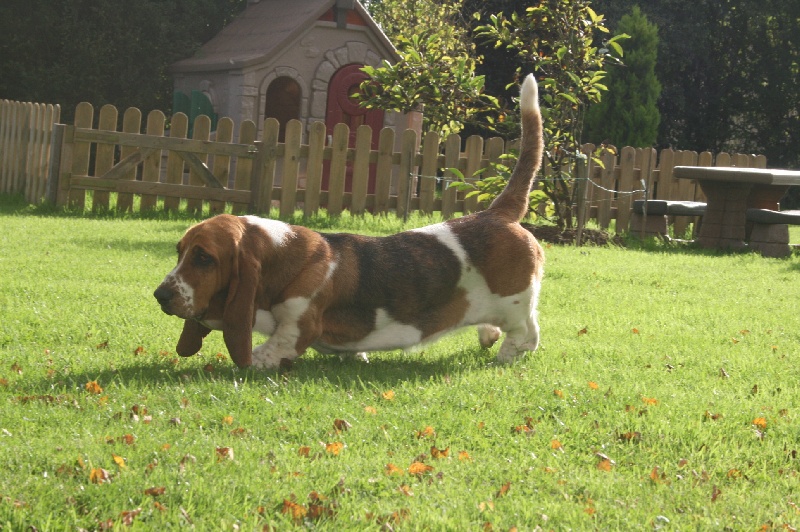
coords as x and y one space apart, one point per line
631 436
294 510
93 387
418 469
129 516
503 490
427 432
334 448
224 453
98 475
392 469
605 463
340 425
439 453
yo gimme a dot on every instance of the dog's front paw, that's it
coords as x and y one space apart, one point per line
265 358
512 349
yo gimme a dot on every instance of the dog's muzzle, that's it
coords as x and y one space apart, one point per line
164 296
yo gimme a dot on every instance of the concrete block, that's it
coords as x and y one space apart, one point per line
772 250
652 225
770 233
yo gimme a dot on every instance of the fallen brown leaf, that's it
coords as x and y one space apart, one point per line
93 387
98 475
419 469
224 453
439 453
341 425
334 448
129 516
503 490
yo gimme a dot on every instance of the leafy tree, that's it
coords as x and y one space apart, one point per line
729 72
628 113
765 88
437 63
115 51
556 39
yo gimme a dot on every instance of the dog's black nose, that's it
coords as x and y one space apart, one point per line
163 295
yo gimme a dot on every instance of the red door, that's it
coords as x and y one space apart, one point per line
344 109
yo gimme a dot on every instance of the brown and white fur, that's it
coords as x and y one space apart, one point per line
351 293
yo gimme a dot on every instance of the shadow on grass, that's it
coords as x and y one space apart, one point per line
384 370
15 204
687 247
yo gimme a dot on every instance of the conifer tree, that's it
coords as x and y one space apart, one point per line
628 113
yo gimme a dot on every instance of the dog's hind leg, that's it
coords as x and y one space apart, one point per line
361 356
523 338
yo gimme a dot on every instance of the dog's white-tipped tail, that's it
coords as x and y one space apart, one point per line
529 95
513 200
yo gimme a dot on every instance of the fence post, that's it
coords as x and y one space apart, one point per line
314 167
65 165
56 138
256 175
405 176
269 140
581 182
383 170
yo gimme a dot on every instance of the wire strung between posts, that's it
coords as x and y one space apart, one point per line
412 176
642 190
447 182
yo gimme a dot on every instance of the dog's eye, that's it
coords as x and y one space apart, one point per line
202 259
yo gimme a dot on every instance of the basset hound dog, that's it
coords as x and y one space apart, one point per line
350 293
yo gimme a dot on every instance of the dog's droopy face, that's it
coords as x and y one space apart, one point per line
206 259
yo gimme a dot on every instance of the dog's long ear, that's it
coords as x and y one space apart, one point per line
237 318
191 339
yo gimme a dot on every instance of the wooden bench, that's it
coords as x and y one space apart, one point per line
769 231
650 216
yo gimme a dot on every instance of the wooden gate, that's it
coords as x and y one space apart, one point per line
138 166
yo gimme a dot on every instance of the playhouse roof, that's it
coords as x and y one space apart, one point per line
262 29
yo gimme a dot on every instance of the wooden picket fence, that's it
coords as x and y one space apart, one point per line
155 168
254 176
639 173
26 147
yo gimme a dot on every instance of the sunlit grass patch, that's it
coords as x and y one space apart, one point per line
664 395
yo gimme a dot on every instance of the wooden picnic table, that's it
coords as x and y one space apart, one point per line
729 192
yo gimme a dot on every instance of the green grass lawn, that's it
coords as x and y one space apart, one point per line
664 396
